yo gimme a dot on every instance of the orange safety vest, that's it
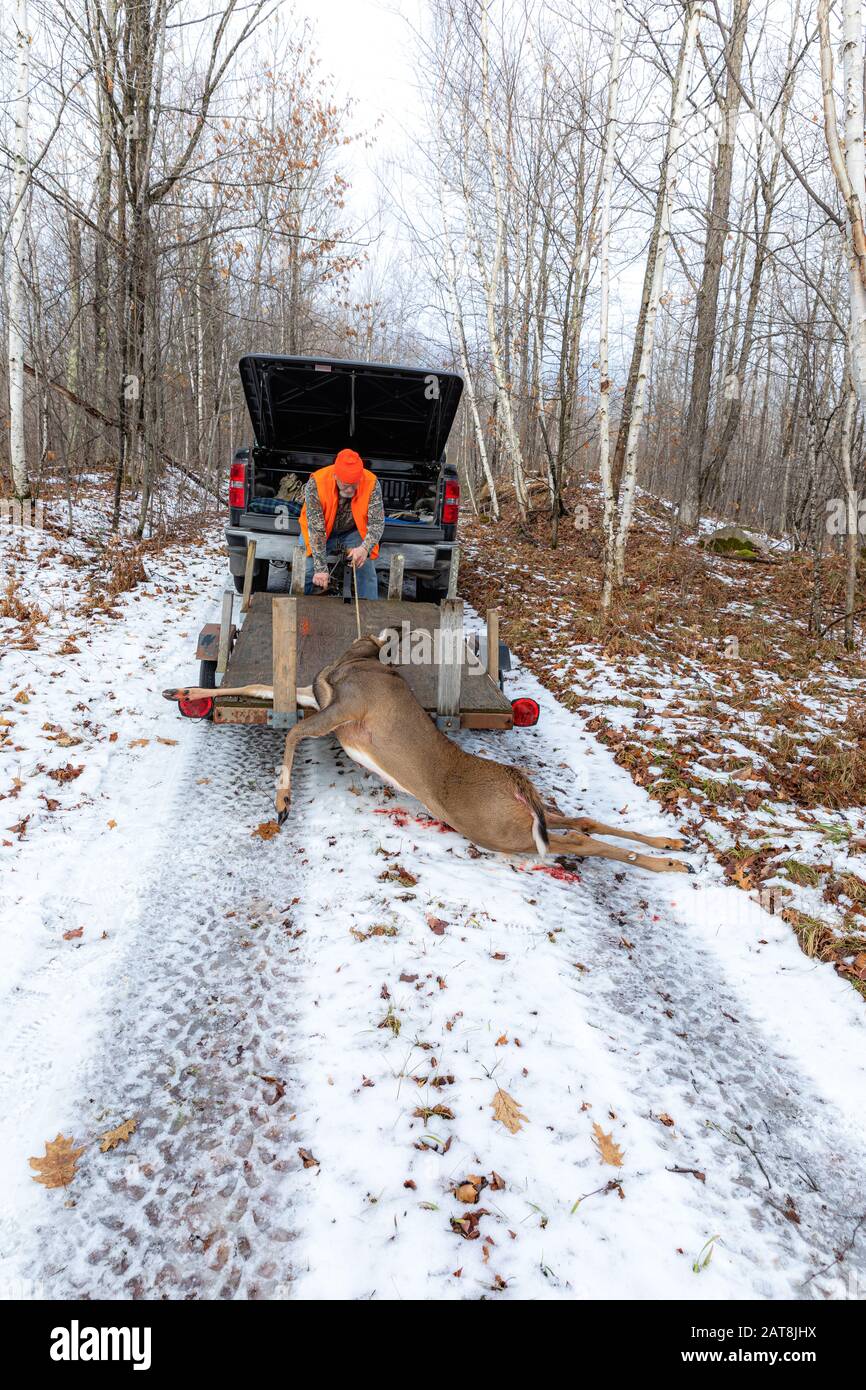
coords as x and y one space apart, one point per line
326 486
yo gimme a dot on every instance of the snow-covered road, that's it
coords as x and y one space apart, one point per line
363 988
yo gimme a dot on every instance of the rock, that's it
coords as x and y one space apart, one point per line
738 544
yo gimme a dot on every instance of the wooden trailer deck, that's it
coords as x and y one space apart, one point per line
311 631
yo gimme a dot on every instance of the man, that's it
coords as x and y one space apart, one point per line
343 510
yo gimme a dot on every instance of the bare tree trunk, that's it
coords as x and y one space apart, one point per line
667 186
491 281
609 500
17 277
849 168
852 541
708 297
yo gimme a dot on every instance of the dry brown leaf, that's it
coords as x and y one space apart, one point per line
139 742
112 1137
22 698
507 1111
666 1120
466 1192
71 935
171 742
308 1159
267 830
609 1152
56 1168
66 774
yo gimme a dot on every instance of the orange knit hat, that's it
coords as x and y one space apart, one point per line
348 466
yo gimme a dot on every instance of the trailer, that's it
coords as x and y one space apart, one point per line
282 641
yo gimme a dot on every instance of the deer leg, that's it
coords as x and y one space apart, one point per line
585 848
557 821
200 692
314 726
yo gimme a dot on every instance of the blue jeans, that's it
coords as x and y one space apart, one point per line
365 576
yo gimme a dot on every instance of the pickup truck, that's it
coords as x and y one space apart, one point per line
303 410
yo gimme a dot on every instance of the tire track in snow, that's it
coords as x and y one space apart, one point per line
198 1203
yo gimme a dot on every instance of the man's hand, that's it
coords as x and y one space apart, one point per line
320 579
358 555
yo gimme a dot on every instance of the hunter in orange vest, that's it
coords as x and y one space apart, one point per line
343 510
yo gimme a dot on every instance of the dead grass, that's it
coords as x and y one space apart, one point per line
728 642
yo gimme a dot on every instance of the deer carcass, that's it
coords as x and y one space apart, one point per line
381 725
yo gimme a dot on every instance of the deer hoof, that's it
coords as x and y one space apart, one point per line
690 869
282 816
172 694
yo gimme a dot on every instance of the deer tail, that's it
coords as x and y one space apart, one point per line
526 793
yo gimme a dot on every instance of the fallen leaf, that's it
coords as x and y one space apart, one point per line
496 1182
67 773
308 1160
267 830
171 742
436 924
72 935
609 1152
22 698
397 874
666 1120
139 742
507 1111
56 1168
423 1112
112 824
467 1226
112 1137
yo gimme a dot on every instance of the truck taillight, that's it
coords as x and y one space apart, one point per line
237 485
451 504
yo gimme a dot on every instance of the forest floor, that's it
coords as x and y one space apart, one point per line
707 687
362 1058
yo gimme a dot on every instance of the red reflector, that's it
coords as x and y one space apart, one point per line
449 514
196 709
237 484
525 712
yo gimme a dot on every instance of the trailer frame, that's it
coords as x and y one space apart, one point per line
284 640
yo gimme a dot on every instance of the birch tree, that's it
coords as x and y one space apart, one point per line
656 260
18 257
608 499
849 167
491 274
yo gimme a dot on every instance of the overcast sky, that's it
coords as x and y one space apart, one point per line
368 46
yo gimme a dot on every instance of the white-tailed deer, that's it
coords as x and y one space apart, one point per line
381 725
